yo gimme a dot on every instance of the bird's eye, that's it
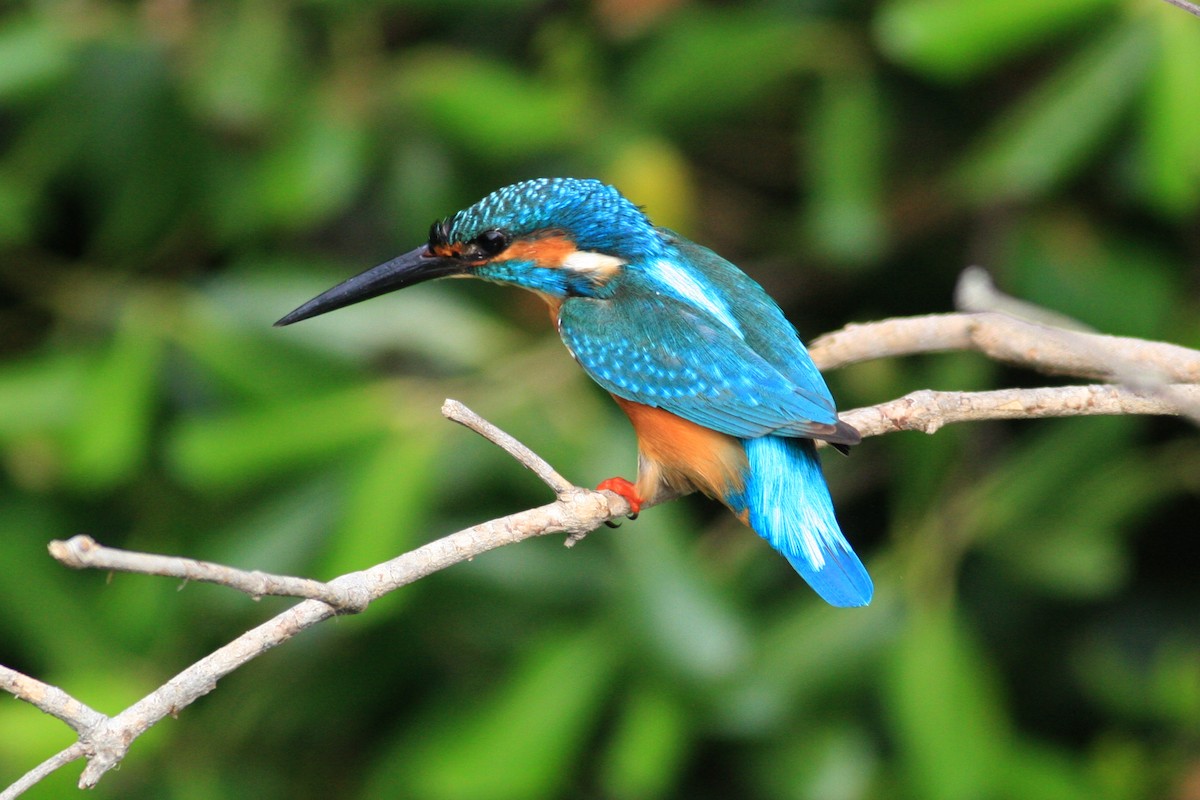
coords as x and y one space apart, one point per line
492 242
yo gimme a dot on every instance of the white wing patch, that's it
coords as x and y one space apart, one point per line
691 290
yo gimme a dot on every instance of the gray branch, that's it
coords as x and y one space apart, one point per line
1143 378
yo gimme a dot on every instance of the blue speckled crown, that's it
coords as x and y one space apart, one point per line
594 214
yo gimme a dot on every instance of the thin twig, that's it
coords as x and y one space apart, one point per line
976 292
579 510
928 411
1191 8
1002 338
457 412
43 770
50 699
84 552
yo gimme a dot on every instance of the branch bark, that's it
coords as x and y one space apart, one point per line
1052 351
927 411
1150 378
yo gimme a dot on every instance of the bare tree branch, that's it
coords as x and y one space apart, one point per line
107 740
457 412
1002 338
927 411
976 292
50 699
1174 385
44 769
1190 8
84 552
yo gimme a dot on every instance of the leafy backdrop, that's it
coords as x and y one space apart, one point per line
174 176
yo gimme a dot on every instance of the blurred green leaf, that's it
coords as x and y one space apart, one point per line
830 763
1039 772
957 39
1046 138
112 430
242 449
676 81
245 65
1171 116
845 214
648 746
689 625
1032 478
1056 510
386 502
29 734
1141 686
928 463
519 741
34 54
419 186
1075 546
807 654
17 201
1176 684
41 392
1122 768
1107 282
53 629
284 534
486 105
946 713
117 127
657 176
312 173
253 365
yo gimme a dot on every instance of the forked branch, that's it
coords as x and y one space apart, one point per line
1142 378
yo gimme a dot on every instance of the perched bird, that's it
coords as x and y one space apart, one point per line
721 392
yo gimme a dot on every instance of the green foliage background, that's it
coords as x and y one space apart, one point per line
174 176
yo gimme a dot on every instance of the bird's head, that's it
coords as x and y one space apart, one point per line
560 237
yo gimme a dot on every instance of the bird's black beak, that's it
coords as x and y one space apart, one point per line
414 267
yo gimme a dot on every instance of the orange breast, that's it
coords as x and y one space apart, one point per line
682 455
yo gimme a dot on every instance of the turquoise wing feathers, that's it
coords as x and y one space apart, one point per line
763 324
662 352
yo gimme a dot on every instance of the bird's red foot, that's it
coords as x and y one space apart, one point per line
625 489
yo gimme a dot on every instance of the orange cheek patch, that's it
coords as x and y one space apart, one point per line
545 251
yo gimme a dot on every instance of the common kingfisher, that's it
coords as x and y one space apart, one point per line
720 390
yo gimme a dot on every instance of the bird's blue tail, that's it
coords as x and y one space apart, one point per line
785 500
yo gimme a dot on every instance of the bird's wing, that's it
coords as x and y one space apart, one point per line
659 351
764 327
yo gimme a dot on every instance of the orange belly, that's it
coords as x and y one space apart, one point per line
681 455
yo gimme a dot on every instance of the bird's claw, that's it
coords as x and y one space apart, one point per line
627 490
